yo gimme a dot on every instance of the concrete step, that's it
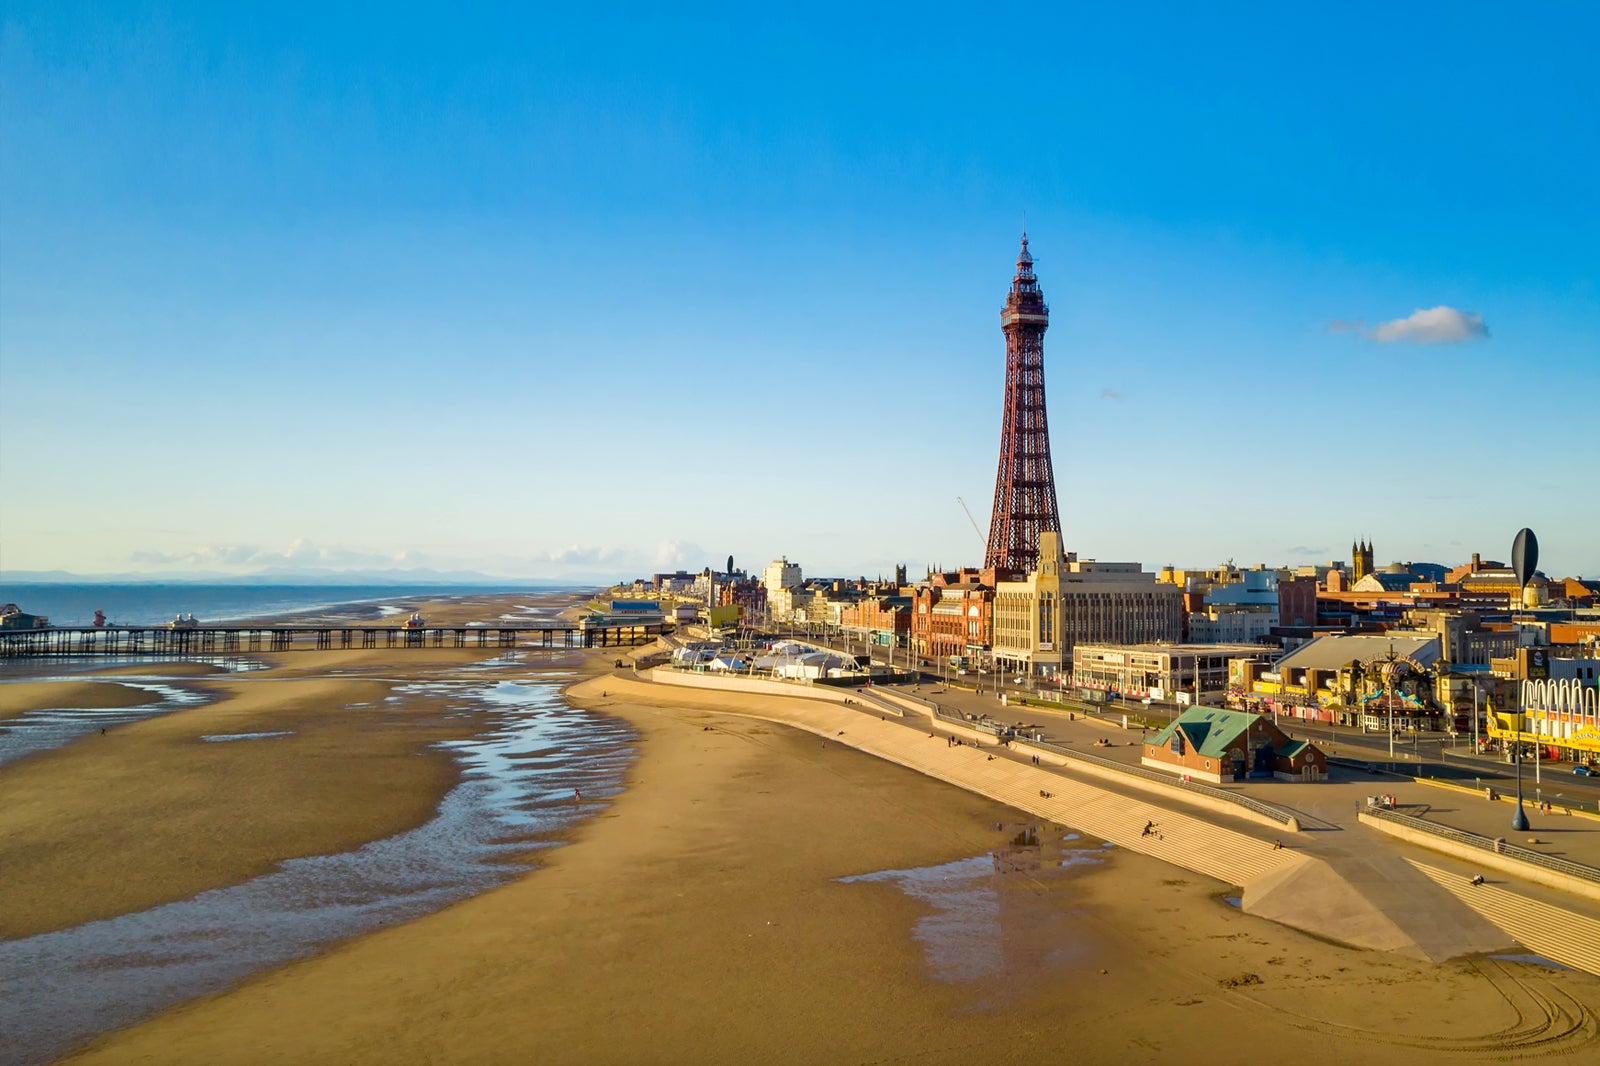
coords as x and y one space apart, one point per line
1557 933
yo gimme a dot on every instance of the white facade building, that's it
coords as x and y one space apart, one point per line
782 580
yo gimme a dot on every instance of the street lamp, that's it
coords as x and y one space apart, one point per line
1519 819
1524 560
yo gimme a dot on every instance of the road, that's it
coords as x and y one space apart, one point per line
1420 754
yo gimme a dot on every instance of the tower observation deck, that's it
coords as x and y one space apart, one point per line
1025 486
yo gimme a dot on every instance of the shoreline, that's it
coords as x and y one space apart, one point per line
699 916
145 815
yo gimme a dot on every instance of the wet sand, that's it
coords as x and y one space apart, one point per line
20 697
148 813
700 918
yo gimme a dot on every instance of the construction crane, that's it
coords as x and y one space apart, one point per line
981 538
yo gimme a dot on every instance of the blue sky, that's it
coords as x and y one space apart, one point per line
539 293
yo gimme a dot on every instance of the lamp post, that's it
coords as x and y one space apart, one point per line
1524 558
1519 818
1474 716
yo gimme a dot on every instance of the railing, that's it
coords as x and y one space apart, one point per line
1499 847
1277 814
1498 776
209 639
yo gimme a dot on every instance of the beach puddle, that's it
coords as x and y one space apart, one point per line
988 912
59 989
1531 960
55 727
222 738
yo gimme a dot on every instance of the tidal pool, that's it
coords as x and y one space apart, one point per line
520 774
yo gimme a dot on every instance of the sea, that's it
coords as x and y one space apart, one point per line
155 603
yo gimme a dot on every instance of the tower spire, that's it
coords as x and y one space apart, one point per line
1025 484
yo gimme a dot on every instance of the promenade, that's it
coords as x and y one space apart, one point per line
1337 879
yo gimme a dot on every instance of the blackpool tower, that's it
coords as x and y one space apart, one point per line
1025 487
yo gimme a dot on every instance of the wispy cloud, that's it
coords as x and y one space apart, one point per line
1347 325
1108 393
244 557
303 555
1435 325
1301 549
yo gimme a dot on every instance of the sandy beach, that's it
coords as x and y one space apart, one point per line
25 696
700 915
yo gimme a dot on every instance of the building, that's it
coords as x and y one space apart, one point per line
1396 577
1027 615
1066 601
1560 712
1214 744
881 620
1360 560
677 581
781 574
1159 671
650 609
749 595
1464 637
1025 484
1230 624
1376 681
1241 611
14 617
953 619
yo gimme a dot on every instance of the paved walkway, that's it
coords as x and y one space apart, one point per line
1355 886
1573 837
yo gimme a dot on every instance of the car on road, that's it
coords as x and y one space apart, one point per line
1586 771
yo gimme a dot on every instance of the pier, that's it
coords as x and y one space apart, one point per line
205 640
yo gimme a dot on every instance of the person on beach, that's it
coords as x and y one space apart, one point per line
577 797
1149 827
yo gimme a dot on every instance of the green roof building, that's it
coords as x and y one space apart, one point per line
1215 744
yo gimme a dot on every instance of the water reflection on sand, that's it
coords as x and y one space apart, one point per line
54 727
521 774
976 919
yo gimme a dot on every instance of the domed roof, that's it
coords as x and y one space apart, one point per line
1397 568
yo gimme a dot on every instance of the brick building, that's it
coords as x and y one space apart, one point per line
1213 744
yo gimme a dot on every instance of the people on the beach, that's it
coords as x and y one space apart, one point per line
1149 829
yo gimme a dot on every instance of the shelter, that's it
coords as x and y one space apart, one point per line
1215 744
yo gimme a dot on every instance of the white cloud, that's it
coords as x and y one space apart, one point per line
1435 325
576 561
249 557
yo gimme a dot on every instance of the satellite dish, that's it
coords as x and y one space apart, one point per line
1525 556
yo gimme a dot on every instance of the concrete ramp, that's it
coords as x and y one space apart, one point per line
1374 901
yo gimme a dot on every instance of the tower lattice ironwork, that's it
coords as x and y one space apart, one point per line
1025 486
